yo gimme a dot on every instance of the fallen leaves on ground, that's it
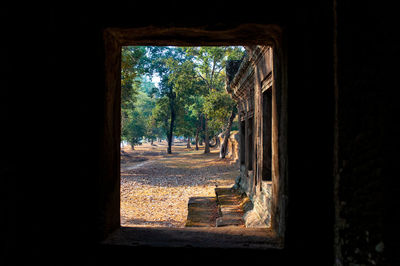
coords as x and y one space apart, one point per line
157 193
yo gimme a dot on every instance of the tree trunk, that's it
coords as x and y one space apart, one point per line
171 128
201 127
188 143
197 139
151 142
170 133
214 142
206 140
224 146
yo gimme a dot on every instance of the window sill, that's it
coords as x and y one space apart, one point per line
200 237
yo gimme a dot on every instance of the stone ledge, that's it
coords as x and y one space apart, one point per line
194 237
229 203
229 221
202 212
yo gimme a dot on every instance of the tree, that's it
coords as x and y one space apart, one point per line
134 131
153 131
227 133
178 81
211 62
186 84
131 57
196 109
186 125
132 127
222 109
159 60
189 100
161 114
145 103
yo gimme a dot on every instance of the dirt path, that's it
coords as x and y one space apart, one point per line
134 166
155 190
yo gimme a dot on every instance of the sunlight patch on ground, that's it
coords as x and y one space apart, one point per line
157 193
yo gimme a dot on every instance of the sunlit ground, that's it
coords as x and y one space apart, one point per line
156 191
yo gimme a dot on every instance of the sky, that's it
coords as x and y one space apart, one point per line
155 79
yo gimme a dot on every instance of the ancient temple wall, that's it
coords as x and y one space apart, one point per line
255 78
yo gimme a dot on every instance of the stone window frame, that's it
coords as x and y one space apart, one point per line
247 34
242 130
266 85
250 130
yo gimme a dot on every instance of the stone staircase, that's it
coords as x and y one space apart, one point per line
225 209
202 212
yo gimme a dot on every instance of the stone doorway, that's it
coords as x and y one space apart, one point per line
115 37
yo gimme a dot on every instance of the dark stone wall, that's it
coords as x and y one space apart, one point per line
310 135
366 147
52 114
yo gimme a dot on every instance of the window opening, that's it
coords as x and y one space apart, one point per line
171 98
267 135
250 141
113 39
242 143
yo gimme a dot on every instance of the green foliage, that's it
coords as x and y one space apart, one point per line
186 123
130 84
210 67
153 131
136 104
191 87
134 129
161 114
130 71
211 61
183 79
218 106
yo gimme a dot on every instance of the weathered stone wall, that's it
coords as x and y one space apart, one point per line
364 147
254 76
260 215
233 145
55 195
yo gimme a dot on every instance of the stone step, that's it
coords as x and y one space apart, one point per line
202 212
226 209
230 210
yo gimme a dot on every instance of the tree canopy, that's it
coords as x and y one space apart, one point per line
189 99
